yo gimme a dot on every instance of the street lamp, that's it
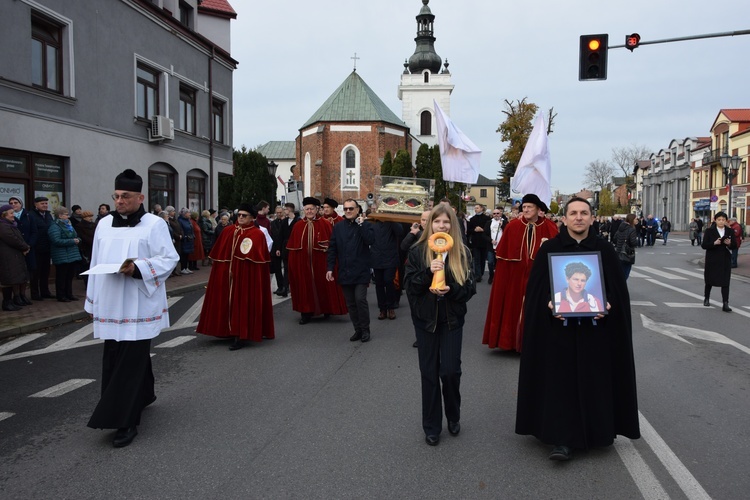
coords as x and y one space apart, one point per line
272 168
665 199
730 164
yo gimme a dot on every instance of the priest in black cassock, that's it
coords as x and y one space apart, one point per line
576 387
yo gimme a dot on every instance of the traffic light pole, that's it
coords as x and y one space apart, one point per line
683 38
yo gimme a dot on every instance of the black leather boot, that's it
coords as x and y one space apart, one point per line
726 307
706 302
18 301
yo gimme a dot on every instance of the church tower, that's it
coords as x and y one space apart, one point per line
422 81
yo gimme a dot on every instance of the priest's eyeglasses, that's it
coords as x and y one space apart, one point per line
243 215
349 209
124 196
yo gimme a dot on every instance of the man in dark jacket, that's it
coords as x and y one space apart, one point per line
478 240
349 245
278 226
290 219
42 219
576 386
384 255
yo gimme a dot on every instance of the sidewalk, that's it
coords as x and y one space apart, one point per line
50 312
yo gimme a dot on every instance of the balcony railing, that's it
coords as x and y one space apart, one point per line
713 155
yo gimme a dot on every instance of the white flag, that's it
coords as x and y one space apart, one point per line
534 169
460 157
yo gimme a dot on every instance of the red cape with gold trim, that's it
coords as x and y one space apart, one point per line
311 292
238 298
503 327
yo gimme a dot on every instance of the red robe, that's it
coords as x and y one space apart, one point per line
334 219
198 253
503 327
311 292
238 296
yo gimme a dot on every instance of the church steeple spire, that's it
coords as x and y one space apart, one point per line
424 56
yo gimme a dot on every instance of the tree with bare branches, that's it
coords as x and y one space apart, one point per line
598 175
625 157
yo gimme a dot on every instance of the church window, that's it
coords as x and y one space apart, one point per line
427 77
350 167
425 123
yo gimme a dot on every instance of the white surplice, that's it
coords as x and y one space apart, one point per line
126 308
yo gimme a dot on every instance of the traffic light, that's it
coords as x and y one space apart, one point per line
593 57
632 41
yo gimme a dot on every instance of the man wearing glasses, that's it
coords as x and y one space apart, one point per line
129 306
350 246
312 293
238 297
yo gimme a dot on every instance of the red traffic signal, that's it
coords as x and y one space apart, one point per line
632 41
592 61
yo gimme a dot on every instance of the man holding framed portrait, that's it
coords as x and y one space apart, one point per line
576 387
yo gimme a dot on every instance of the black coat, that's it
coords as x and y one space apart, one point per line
424 304
576 382
477 240
28 229
626 235
717 270
385 245
350 245
42 223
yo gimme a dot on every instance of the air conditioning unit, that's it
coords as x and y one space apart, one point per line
161 128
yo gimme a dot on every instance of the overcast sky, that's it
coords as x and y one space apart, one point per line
293 54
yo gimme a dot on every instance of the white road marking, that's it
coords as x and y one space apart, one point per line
47 350
5 414
642 475
73 338
663 274
60 389
682 476
176 341
173 300
643 303
636 274
690 294
684 304
188 319
16 343
683 271
680 333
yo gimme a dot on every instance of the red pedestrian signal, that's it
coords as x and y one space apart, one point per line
592 63
632 41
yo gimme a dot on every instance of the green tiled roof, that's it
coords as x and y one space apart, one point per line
354 101
278 150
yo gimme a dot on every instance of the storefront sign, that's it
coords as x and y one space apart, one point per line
7 190
12 164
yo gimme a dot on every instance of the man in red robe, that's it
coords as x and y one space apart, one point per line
329 211
238 297
515 254
312 294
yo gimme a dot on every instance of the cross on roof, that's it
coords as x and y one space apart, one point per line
355 60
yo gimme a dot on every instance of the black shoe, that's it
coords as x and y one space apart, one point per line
47 295
238 344
479 279
72 297
8 305
63 299
284 293
432 440
560 453
489 281
124 436
278 291
726 307
415 344
18 302
36 296
366 336
305 319
454 428
355 337
26 300
706 302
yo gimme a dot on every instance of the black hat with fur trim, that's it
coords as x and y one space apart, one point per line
128 180
249 208
331 202
532 198
311 201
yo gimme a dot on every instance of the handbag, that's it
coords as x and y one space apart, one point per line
627 253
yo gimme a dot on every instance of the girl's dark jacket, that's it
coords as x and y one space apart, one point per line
424 304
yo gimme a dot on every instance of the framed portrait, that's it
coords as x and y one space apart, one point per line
577 284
